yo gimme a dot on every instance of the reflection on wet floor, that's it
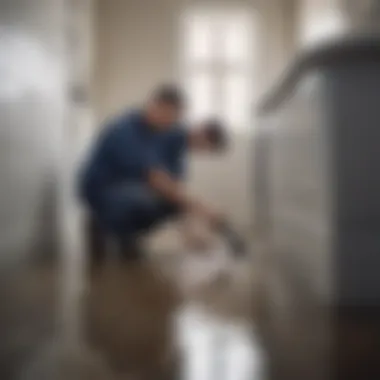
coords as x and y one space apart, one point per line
138 322
142 324
27 315
213 348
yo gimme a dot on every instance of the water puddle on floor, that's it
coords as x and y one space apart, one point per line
216 348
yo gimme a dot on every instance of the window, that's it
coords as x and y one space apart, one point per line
216 64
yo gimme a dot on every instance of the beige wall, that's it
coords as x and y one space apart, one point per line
134 50
278 37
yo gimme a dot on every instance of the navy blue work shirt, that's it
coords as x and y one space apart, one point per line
126 149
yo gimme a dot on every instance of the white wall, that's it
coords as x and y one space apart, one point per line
32 114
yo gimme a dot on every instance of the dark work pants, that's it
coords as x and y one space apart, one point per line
127 212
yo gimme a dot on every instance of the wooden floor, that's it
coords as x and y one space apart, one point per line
128 318
135 323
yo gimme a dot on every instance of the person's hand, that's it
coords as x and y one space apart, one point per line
211 216
197 242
